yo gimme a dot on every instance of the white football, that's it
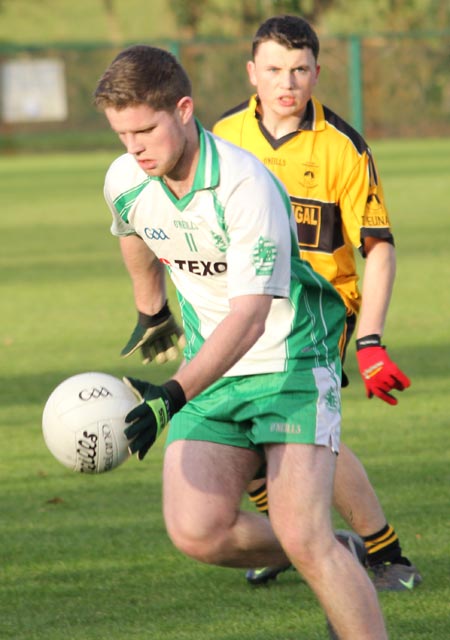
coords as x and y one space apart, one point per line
84 420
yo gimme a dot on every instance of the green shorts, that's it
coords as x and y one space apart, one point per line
294 407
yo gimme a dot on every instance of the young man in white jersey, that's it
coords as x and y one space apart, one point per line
262 369
338 201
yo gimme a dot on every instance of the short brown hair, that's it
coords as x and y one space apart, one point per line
290 31
143 75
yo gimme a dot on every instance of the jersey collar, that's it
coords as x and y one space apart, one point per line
207 173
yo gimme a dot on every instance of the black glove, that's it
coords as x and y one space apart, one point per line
158 336
148 419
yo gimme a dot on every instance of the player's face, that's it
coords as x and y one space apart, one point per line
157 139
284 78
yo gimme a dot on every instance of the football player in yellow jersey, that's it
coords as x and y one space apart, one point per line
337 199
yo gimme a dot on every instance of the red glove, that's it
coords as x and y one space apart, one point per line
379 373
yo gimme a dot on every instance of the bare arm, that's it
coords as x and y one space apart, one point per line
377 286
231 339
147 274
380 374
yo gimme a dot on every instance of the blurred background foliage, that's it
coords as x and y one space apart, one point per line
116 21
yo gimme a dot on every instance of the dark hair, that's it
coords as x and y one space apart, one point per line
143 75
290 31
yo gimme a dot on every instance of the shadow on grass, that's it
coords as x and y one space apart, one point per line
425 363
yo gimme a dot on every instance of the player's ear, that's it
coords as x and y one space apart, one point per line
185 108
251 72
317 71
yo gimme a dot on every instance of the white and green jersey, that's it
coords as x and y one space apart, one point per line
232 235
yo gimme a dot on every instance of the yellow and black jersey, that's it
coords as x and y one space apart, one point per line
330 175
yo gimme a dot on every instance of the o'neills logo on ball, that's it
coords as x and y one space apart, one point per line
87 448
109 446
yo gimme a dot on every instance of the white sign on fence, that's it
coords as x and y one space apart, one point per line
33 91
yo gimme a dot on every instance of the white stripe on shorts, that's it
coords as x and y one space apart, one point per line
328 425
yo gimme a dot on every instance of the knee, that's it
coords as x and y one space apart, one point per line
203 541
305 546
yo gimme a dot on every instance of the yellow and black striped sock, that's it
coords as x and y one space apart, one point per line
259 499
383 546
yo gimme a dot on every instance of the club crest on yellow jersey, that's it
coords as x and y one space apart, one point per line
309 176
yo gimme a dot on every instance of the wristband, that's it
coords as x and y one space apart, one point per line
177 397
152 321
373 340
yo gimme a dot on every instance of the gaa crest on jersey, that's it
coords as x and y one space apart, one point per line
373 202
375 214
219 242
264 255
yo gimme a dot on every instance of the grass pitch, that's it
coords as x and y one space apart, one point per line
87 557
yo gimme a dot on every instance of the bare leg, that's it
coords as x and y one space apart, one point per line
203 485
210 527
354 497
302 523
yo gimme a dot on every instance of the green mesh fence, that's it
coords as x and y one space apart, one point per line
400 87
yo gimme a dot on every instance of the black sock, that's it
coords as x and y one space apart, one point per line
384 546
